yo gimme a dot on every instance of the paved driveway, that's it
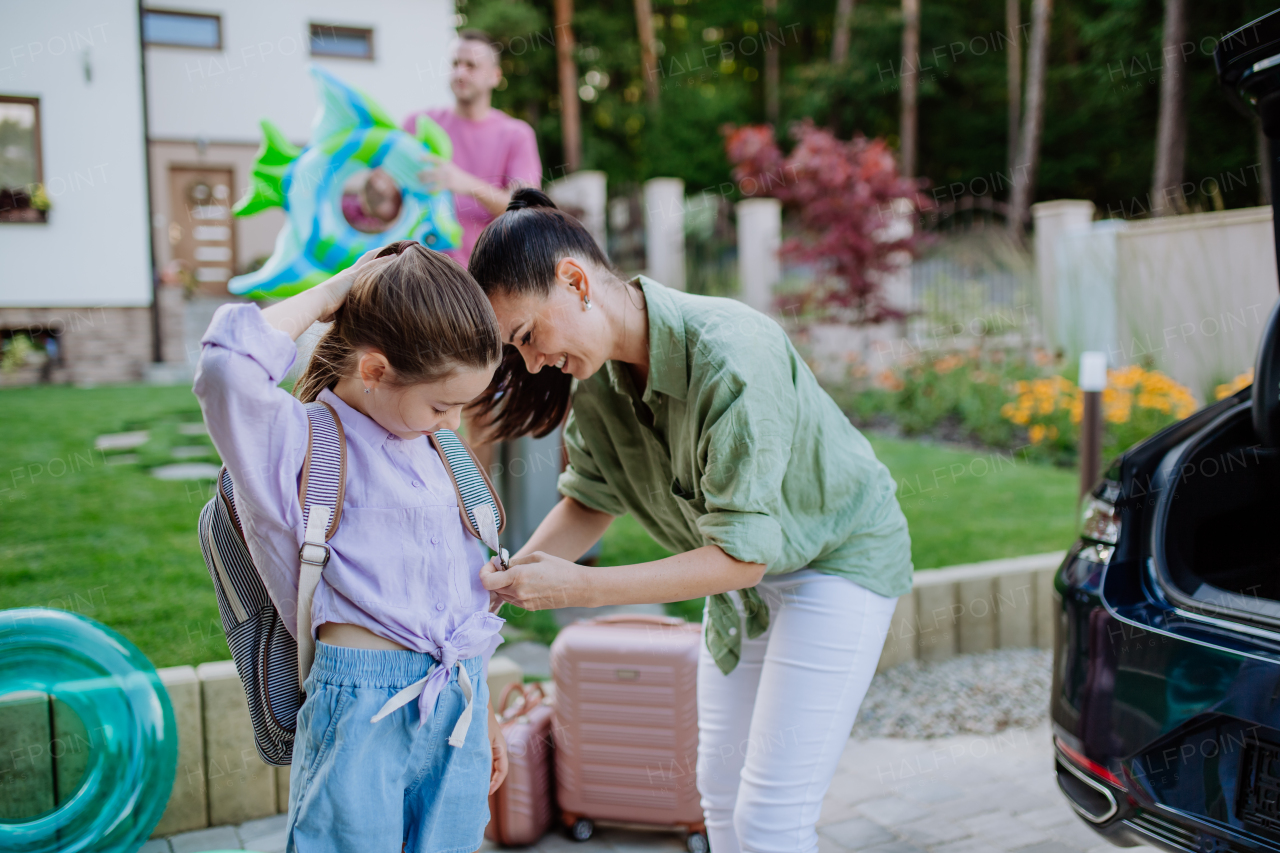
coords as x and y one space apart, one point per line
967 794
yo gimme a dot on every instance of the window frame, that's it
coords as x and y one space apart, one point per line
37 143
185 14
343 29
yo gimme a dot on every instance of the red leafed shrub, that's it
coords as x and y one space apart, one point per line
856 211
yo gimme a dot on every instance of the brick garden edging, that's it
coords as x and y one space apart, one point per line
997 604
220 779
957 610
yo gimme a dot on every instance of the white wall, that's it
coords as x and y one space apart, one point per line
93 251
261 70
1190 293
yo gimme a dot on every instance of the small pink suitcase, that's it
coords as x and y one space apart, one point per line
523 809
626 726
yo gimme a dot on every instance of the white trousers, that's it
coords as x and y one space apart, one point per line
771 732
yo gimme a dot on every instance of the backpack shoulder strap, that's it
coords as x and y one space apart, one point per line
320 492
482 513
324 472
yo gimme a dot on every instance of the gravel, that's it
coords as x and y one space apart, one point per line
969 694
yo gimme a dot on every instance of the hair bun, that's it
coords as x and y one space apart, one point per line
395 248
529 197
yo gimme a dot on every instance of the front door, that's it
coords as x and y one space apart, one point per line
200 232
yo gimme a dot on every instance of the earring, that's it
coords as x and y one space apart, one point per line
367 390
586 304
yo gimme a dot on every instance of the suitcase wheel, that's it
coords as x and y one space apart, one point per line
582 829
697 843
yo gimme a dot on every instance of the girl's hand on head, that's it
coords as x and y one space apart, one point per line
538 581
339 286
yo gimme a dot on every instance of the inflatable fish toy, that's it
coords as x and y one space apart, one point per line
350 134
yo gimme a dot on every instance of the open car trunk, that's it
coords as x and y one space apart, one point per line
1216 537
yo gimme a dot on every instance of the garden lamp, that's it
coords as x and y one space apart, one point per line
1093 381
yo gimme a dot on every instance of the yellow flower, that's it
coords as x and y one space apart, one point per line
948 363
1036 433
1119 413
1126 377
1151 400
1227 389
1077 408
889 381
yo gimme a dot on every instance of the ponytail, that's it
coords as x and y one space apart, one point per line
517 254
422 311
331 359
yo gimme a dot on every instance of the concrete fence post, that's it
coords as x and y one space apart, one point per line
664 231
759 238
527 484
1052 220
587 192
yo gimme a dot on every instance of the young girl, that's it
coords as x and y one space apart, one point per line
400 610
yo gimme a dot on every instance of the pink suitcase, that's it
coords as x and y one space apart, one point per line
522 810
626 724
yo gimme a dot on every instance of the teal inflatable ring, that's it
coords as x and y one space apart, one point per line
123 746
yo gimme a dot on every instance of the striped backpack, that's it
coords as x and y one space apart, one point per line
271 664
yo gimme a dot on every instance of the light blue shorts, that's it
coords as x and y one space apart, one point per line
362 787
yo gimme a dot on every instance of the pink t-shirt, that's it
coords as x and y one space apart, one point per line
498 149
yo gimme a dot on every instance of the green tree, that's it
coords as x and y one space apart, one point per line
1102 86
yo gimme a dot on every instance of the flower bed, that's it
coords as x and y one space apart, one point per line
1011 399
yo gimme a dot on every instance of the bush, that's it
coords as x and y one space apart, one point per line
955 396
1008 399
854 210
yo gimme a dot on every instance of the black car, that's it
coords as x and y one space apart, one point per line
1166 692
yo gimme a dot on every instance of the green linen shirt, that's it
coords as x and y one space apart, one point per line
733 443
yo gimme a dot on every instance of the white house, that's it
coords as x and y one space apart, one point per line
125 119
75 279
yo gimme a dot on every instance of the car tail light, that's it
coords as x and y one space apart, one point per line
1099 520
1087 764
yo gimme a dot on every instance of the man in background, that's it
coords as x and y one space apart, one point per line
493 153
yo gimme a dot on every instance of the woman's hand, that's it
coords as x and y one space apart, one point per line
537 581
498 749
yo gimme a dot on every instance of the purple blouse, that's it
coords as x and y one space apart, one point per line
401 564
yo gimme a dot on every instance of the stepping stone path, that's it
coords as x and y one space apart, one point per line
177 471
186 471
121 440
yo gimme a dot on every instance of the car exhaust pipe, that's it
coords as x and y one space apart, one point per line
1091 799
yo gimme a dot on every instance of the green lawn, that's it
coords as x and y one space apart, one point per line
968 505
81 532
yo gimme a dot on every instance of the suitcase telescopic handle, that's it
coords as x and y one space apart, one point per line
637 618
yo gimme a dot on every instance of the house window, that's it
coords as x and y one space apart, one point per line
345 42
29 355
181 29
22 193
